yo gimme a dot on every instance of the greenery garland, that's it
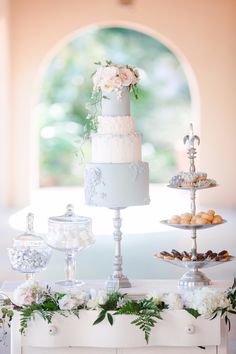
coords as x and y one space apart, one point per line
147 310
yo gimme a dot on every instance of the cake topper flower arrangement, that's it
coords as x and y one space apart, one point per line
109 77
113 77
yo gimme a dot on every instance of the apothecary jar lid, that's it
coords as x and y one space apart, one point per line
70 231
29 238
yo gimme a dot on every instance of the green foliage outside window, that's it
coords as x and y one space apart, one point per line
162 112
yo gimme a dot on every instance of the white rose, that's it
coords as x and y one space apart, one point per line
156 297
109 72
96 299
174 301
92 304
107 86
72 301
68 302
102 297
127 76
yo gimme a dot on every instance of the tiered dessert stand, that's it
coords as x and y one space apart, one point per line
193 277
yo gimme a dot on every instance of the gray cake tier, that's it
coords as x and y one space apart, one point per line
115 105
117 185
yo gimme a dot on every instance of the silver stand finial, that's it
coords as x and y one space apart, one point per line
117 279
190 140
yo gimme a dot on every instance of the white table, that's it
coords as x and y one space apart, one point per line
178 333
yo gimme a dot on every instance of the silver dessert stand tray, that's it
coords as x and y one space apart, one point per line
192 226
193 277
196 264
192 188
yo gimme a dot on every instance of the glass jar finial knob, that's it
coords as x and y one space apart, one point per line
69 210
30 222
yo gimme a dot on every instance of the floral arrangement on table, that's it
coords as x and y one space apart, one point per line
107 78
30 299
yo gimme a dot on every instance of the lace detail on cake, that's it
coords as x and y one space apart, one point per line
138 169
93 178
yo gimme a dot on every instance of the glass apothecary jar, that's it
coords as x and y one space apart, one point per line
70 233
29 254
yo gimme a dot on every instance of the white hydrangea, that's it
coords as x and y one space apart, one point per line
156 297
96 298
27 293
206 300
174 301
71 301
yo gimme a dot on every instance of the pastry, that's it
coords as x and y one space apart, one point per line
217 219
175 219
169 257
201 257
185 218
207 216
213 257
208 254
162 254
189 177
201 221
178 258
224 259
176 253
223 253
193 220
186 259
185 254
201 176
185 221
211 212
176 181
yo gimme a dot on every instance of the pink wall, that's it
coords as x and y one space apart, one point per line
203 31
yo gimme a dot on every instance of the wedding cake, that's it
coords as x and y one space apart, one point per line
116 177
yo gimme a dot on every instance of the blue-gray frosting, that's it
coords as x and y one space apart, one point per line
117 185
116 104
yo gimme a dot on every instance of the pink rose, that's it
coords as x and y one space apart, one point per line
126 76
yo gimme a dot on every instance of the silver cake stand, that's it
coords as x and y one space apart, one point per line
193 277
117 279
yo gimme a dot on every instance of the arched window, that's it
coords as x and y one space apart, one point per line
162 112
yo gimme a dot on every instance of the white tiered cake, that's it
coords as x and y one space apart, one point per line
116 176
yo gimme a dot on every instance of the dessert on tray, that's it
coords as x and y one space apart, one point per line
191 179
210 256
201 218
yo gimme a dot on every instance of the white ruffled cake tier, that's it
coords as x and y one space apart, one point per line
110 148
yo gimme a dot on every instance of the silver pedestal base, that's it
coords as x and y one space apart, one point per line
193 279
114 284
